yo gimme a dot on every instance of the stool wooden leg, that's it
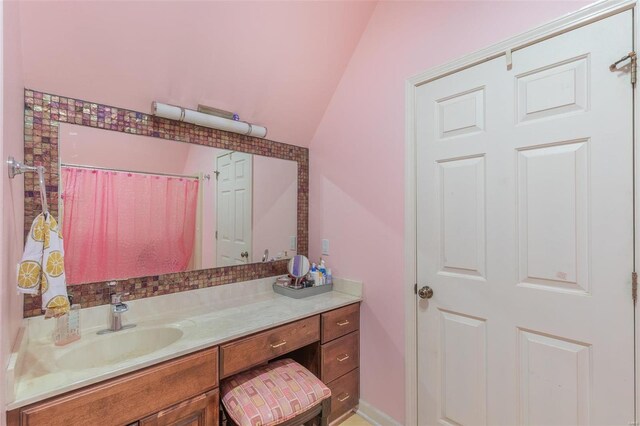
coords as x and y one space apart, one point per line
326 412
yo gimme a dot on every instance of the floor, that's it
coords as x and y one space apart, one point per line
355 420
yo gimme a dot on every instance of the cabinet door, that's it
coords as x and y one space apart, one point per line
199 411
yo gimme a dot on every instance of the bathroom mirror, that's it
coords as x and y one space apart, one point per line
196 206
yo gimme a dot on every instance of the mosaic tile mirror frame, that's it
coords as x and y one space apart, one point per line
42 115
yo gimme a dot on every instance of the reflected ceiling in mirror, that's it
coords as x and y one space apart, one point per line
134 206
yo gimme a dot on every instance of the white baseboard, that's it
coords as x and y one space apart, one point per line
375 416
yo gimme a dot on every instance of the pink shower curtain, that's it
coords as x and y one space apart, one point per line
120 225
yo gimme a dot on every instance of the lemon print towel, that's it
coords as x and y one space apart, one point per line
41 270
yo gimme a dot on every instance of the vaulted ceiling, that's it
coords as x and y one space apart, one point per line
274 63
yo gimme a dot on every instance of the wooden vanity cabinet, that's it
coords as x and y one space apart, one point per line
184 391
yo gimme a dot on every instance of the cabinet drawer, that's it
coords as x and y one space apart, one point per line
340 322
128 398
245 353
345 393
340 356
199 411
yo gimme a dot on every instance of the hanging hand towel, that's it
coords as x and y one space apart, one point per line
41 270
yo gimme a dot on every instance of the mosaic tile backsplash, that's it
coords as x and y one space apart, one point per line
42 114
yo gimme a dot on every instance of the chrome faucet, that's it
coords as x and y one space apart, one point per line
117 308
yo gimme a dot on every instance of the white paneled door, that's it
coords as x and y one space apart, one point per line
233 208
525 236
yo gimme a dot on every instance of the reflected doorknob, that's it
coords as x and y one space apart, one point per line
425 292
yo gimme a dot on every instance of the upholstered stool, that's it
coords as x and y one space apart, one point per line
280 393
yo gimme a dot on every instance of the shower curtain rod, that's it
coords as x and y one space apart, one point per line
80 166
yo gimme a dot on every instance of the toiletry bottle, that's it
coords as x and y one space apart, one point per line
329 277
74 322
67 328
315 275
323 271
61 330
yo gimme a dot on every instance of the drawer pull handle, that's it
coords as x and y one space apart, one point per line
343 397
277 345
343 357
342 323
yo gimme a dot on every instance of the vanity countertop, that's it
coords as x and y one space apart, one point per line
196 320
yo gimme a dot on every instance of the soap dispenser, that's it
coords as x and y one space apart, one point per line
67 327
323 272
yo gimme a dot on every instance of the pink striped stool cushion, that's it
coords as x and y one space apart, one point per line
272 394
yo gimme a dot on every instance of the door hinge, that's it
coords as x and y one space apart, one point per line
217 173
634 287
415 288
216 235
631 56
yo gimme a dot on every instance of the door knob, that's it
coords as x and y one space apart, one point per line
244 254
425 292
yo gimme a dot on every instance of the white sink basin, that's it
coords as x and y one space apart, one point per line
116 347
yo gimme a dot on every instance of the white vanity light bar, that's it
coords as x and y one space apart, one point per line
194 117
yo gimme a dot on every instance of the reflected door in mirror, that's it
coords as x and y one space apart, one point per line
234 199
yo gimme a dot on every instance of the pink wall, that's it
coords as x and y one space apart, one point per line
275 201
357 160
273 62
12 212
